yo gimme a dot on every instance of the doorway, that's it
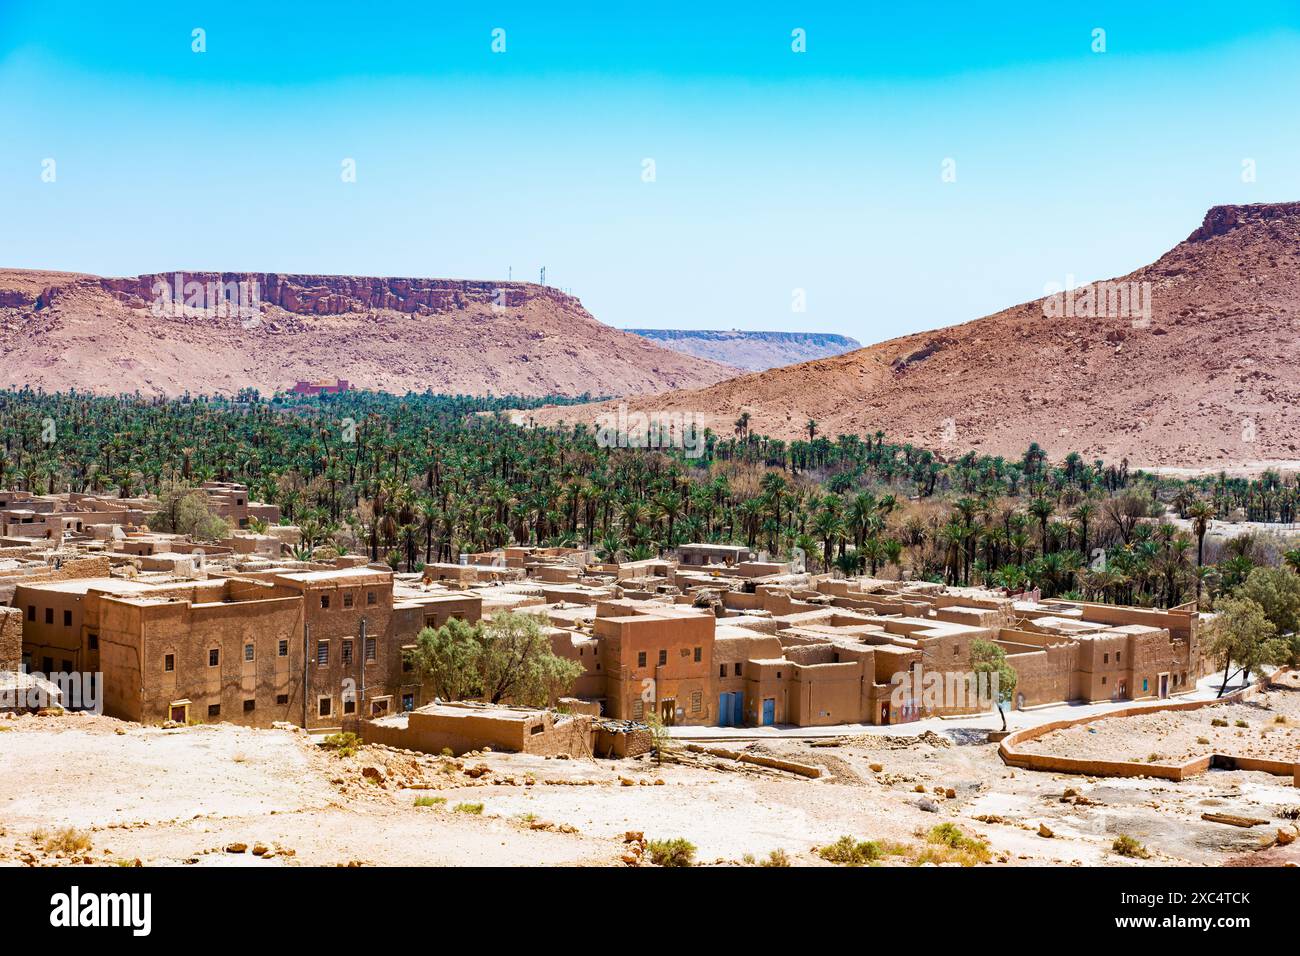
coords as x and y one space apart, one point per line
769 711
1164 685
668 711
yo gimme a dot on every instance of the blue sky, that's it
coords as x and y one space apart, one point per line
774 170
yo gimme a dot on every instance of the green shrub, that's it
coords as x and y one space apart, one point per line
472 808
776 858
1127 846
851 852
345 744
430 801
674 852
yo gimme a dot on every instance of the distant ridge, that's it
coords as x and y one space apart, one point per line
752 351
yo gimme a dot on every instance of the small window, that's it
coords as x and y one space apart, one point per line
1103 680
640 659
778 675
663 658
722 670
379 707
48 664
349 705
956 651
347 652
248 652
737 666
214 656
49 615
638 709
536 729
249 705
370 648
92 641
324 706
31 612
370 597
697 701
67 619
67 666
282 698
408 702
284 648
169 663
1144 685
347 599
322 653
325 602
214 710
1117 657
1105 658
698 653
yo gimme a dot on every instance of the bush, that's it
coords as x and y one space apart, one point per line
776 858
1218 722
1127 846
475 809
67 840
851 852
948 844
345 745
430 801
675 852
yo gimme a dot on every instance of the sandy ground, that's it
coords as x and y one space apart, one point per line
184 796
1266 726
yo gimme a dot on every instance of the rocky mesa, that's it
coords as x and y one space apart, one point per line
171 333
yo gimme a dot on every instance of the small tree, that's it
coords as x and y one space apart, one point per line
988 658
506 659
184 510
447 657
1242 633
1277 592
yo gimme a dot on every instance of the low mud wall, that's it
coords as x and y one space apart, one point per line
1050 763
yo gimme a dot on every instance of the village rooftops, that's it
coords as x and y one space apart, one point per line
344 576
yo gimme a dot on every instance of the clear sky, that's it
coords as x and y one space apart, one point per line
774 170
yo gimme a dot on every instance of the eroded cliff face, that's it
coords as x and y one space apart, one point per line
217 332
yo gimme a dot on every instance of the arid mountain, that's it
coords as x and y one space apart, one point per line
752 351
63 330
1211 378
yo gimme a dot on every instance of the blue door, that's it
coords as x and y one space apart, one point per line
738 709
769 711
724 710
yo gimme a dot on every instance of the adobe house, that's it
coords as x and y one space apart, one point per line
659 662
467 725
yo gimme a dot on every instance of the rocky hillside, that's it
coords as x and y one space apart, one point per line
168 334
752 351
1208 376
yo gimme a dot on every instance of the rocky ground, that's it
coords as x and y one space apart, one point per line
81 789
